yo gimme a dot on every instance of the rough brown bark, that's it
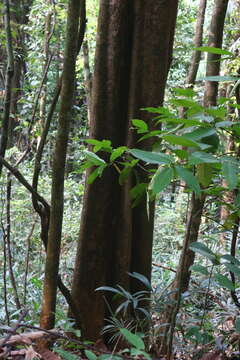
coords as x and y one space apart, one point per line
8 82
87 76
133 55
55 227
213 60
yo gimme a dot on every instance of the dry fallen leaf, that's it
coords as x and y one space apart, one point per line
212 356
48 355
32 354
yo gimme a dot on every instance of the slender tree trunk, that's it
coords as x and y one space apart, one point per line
187 258
213 60
8 83
133 56
87 75
56 215
198 39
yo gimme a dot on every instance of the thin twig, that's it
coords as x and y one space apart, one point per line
14 329
23 181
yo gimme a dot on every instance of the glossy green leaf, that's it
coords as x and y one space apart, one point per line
161 180
117 152
189 178
200 133
180 140
141 126
96 160
152 157
199 157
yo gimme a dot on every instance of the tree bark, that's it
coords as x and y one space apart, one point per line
55 227
198 38
213 60
133 55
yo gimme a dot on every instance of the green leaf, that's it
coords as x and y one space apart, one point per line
137 193
133 339
90 355
184 92
230 169
109 288
205 174
141 126
224 282
152 157
203 250
220 78
139 354
186 103
199 268
117 153
98 145
124 174
161 180
189 178
150 134
200 133
217 112
176 120
95 173
224 124
199 157
237 325
180 140
96 160
66 355
158 110
233 268
213 50
141 278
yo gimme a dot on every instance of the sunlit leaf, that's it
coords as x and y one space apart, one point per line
152 157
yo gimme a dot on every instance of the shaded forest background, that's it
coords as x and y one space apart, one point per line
119 162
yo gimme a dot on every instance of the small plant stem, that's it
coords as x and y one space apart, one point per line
27 262
206 297
8 238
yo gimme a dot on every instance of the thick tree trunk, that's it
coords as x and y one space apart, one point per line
133 55
55 227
